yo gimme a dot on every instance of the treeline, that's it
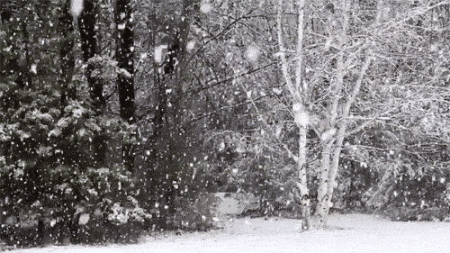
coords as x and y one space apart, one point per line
120 117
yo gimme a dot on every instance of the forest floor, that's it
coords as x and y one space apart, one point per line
346 233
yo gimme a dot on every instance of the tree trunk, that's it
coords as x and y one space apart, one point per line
338 115
343 127
88 35
87 23
66 55
25 75
298 91
327 173
323 199
125 78
303 179
190 10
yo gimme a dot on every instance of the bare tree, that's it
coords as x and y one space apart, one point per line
297 90
329 123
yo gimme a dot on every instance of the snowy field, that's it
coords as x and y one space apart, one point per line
347 233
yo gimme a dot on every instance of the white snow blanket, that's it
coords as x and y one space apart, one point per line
347 233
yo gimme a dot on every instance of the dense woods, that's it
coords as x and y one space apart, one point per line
126 116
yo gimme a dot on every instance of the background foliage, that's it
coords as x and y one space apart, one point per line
210 112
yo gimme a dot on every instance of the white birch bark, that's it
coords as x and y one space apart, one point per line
346 111
328 137
298 104
339 118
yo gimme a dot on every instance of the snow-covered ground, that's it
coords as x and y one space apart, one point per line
347 233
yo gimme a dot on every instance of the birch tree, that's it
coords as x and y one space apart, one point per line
347 59
337 113
297 89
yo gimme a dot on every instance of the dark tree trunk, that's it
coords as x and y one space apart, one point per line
125 61
175 67
24 74
40 232
88 35
167 138
66 55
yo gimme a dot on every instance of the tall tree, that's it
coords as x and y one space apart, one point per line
87 22
298 90
327 115
85 14
125 61
66 30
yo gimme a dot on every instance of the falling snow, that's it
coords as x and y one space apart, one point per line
33 69
76 7
252 53
84 219
159 53
277 91
221 118
121 26
190 46
205 6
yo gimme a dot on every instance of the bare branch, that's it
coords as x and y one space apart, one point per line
282 54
